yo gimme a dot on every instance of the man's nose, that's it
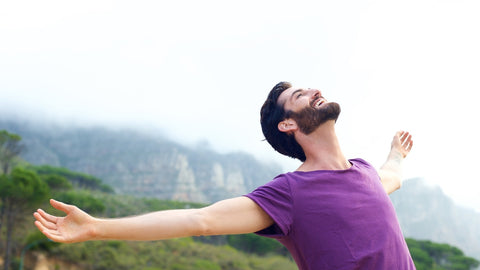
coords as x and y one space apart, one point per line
314 93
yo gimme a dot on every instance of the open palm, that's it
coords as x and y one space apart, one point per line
74 227
402 142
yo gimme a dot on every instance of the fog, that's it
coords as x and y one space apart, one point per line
196 71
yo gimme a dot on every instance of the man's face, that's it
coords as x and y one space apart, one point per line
308 108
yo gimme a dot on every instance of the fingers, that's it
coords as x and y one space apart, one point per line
403 136
404 142
45 230
409 147
46 223
46 220
50 234
61 206
47 216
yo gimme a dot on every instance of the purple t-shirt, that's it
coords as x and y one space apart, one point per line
339 219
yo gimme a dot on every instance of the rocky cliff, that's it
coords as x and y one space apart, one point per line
144 165
426 213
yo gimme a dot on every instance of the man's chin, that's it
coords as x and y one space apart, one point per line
333 111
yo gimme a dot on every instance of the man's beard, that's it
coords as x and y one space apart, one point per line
309 118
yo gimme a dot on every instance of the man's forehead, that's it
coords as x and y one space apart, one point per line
285 95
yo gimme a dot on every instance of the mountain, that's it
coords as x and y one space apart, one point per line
425 212
139 164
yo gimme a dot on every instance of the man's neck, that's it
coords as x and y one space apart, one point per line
322 149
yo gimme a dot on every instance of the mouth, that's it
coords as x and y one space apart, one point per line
318 102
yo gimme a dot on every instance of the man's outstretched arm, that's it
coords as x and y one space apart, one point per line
391 171
232 216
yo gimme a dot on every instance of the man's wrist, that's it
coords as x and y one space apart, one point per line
95 231
395 155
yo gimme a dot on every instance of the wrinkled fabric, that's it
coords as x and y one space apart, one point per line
338 219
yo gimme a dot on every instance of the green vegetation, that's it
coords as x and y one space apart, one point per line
79 180
428 255
184 254
19 191
24 188
10 148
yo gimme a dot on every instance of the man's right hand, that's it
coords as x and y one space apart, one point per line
76 226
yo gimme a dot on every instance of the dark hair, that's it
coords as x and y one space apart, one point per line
270 115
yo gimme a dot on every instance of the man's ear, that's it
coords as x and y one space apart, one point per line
287 125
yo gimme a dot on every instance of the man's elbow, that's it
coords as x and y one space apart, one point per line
396 183
200 224
399 182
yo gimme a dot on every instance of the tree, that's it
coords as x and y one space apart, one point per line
429 255
20 192
76 179
84 199
56 182
10 148
252 243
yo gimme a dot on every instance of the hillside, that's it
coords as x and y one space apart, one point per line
144 165
425 212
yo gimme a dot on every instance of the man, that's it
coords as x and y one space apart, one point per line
331 213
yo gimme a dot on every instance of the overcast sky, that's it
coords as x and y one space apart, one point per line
200 70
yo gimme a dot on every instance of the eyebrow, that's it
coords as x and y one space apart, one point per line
294 92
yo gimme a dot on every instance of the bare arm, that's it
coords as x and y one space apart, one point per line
232 216
391 171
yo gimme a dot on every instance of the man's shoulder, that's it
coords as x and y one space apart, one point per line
360 161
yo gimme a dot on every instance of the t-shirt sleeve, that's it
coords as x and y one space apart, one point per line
276 200
370 168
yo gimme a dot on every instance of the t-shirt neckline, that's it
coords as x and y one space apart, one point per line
329 171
